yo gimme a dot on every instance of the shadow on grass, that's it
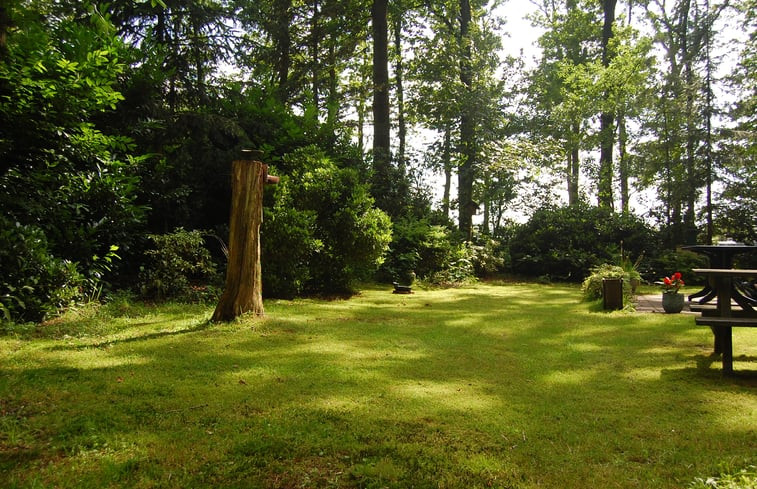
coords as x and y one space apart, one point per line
478 387
132 339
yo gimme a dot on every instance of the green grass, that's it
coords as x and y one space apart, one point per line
511 386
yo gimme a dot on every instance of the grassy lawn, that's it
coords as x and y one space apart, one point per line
512 386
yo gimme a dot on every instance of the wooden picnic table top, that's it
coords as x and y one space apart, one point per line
726 272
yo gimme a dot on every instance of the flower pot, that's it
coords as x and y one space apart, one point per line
672 302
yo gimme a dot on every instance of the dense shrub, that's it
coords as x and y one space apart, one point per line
565 243
592 287
489 257
178 266
458 267
34 284
322 234
430 252
675 261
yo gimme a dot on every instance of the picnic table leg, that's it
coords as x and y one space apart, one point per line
718 334
727 339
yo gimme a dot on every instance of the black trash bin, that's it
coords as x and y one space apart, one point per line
612 293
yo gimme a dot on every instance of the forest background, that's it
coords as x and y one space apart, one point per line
119 121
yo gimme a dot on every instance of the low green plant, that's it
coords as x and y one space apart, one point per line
178 266
34 283
592 287
744 478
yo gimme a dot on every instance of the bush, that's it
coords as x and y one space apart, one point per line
178 267
458 267
323 233
430 252
592 287
675 261
489 258
34 283
562 243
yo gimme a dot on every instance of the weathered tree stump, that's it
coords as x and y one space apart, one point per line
243 289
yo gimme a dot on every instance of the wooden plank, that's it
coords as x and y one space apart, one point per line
746 322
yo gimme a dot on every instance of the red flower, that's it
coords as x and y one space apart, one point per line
672 283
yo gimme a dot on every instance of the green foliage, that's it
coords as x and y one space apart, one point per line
564 243
323 233
675 261
430 252
59 172
178 266
34 284
729 478
592 287
489 257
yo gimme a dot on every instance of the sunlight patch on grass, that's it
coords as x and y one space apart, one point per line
647 374
573 376
456 396
93 359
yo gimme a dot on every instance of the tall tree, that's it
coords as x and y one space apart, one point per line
683 32
382 157
468 150
607 117
560 86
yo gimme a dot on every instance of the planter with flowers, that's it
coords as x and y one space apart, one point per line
672 300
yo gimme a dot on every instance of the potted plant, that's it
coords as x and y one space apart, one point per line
672 299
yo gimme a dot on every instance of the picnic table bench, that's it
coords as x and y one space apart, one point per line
723 317
720 256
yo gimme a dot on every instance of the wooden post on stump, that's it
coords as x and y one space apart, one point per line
243 290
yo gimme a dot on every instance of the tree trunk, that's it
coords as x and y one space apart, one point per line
315 36
5 23
465 174
381 120
708 120
243 290
623 165
283 41
574 166
398 79
447 164
607 117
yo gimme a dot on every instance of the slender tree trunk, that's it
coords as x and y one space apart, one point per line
315 36
574 166
623 165
447 163
487 204
5 23
465 175
381 119
708 120
398 80
199 58
283 41
607 117
332 104
624 171
689 230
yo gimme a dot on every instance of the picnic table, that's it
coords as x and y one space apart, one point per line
724 317
721 256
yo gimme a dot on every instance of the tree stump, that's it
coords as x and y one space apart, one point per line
243 289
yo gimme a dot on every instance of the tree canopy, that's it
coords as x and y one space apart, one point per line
120 120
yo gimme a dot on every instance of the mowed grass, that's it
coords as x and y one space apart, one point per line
511 386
